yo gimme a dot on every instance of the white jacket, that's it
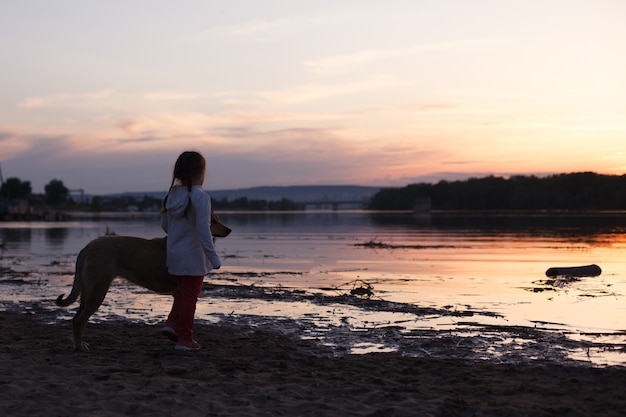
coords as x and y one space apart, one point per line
190 249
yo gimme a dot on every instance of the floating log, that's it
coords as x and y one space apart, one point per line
574 271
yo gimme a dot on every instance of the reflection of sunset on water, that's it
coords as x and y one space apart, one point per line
463 274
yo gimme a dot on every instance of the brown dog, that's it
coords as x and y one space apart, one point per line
141 261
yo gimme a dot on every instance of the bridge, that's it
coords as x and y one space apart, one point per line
335 205
312 197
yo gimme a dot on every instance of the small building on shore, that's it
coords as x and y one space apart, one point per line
19 209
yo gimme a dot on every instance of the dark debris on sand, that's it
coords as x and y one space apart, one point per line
251 371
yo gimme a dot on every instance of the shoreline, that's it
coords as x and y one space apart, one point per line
340 324
60 215
247 370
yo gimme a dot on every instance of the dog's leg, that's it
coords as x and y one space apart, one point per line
89 303
78 327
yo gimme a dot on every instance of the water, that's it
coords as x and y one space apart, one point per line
478 279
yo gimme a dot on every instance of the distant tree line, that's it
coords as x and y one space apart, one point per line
56 193
575 191
125 203
244 203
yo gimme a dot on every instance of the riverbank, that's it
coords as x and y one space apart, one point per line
250 371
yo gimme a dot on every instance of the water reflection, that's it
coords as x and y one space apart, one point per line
473 263
8 235
296 221
540 222
55 236
595 229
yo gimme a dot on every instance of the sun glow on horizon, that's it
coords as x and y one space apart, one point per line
309 92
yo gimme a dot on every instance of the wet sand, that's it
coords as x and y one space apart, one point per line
247 370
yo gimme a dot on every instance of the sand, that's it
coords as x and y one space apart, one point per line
249 371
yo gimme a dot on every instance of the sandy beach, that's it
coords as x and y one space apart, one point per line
249 371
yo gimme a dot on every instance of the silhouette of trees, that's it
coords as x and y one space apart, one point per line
56 192
244 203
575 191
14 188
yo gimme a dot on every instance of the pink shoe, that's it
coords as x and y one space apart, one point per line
187 346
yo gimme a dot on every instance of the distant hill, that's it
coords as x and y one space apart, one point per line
297 193
300 193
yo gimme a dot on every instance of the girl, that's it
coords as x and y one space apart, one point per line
190 252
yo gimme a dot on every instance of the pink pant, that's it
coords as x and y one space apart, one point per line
184 307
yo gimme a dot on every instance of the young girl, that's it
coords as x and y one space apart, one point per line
190 252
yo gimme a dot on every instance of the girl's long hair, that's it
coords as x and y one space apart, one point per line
189 166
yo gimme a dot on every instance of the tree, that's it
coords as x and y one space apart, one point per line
574 191
56 192
96 203
15 188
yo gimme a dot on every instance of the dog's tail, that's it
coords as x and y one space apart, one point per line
76 287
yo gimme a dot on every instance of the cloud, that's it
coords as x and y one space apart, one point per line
95 172
407 108
252 117
64 100
40 156
311 92
141 139
257 30
273 144
167 124
335 64
5 136
12 144
104 99
169 96
17 142
243 155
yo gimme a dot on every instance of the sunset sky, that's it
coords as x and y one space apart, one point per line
104 95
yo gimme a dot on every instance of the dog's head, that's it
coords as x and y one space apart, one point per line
218 229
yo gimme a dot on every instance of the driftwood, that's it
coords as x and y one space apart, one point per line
574 271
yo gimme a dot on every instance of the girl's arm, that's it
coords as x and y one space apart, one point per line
164 222
202 204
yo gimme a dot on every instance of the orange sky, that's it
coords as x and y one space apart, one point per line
105 95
